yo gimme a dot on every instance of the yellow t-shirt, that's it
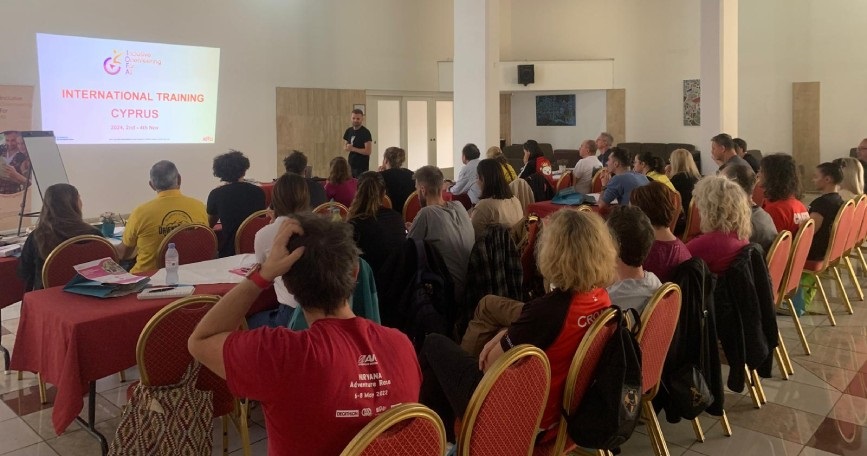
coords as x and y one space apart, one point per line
661 178
150 222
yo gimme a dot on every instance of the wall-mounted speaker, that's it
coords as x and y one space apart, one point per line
526 74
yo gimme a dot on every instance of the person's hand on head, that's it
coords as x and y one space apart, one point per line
280 260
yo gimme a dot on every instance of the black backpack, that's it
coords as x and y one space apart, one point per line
611 406
429 308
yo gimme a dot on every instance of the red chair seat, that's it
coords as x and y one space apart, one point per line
814 265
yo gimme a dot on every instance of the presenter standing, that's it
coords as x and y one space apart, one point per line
359 144
14 164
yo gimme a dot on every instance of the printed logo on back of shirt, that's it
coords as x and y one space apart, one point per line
367 360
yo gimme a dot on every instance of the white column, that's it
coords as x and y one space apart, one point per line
476 81
719 74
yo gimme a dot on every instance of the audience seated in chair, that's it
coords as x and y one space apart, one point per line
290 197
823 210
296 163
398 180
667 251
445 224
763 229
722 150
303 387
467 182
150 222
578 254
509 173
497 205
741 150
683 174
377 230
234 201
725 222
59 220
653 168
582 174
341 186
633 232
778 175
618 180
852 184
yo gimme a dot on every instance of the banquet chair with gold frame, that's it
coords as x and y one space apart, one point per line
777 260
194 242
162 358
578 380
504 412
658 324
693 222
245 237
794 269
333 209
406 429
836 245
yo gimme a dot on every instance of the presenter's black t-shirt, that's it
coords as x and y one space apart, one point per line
358 162
233 203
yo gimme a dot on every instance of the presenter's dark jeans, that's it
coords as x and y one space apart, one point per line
358 171
450 376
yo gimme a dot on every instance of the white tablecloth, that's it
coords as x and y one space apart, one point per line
207 272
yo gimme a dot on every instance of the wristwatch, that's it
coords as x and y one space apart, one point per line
257 278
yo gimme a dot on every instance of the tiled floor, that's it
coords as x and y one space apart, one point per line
820 410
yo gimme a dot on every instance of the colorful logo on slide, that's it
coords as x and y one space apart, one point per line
111 65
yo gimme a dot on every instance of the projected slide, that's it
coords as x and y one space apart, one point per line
97 91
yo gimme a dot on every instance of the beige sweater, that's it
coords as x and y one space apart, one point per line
489 211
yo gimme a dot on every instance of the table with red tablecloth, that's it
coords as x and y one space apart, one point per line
74 340
546 208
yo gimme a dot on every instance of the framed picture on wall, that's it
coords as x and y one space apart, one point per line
359 106
555 110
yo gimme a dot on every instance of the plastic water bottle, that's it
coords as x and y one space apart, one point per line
172 260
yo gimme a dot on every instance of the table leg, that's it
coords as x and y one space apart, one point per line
90 425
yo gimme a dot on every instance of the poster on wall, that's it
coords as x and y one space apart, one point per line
16 113
14 179
555 110
691 102
16 107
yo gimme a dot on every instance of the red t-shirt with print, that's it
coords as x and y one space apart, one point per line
320 386
556 323
787 214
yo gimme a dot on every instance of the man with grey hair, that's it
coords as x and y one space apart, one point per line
603 143
150 222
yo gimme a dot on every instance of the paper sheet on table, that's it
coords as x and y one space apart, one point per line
207 272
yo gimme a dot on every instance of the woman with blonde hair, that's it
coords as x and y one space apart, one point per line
725 222
509 173
378 231
578 254
683 175
853 177
341 186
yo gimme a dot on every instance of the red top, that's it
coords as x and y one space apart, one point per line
787 214
343 193
556 323
664 256
320 386
717 249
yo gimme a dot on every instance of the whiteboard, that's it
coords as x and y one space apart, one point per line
45 159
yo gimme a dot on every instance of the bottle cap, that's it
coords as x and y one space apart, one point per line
171 245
